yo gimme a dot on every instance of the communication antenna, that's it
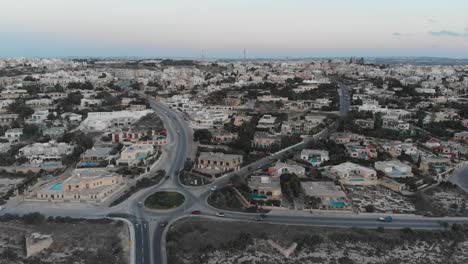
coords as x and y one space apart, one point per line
245 54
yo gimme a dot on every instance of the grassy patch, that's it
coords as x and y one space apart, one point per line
164 200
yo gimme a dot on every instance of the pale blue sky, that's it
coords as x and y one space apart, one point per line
266 28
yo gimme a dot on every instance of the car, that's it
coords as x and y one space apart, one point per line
257 218
167 177
145 225
259 167
163 223
385 219
137 225
178 131
196 212
220 214
140 204
214 188
1 208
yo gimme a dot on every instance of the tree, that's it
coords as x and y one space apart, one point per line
29 78
31 131
34 218
21 160
203 136
135 86
74 98
378 121
18 107
369 208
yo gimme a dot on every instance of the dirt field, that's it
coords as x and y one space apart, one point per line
74 242
442 200
215 242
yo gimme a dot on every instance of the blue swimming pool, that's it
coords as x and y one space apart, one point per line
357 179
56 187
337 204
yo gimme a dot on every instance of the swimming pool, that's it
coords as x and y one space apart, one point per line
89 164
357 179
56 187
337 204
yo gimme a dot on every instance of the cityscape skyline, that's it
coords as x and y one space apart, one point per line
267 29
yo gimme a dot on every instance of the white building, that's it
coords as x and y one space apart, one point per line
315 156
281 168
84 185
354 174
106 121
134 154
267 122
13 135
394 168
394 123
38 153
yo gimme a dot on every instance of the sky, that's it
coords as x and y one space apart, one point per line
223 28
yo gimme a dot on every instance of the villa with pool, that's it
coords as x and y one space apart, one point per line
354 174
89 185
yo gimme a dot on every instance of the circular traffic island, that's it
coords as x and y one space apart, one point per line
164 200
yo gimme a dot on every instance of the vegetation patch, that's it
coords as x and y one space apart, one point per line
164 200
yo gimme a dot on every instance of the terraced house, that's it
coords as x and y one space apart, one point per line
219 162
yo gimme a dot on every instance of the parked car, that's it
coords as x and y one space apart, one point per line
140 204
214 188
196 212
220 214
385 219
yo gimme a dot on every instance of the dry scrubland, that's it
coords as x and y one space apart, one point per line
207 241
75 241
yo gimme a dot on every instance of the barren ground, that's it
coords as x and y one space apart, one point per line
75 242
199 240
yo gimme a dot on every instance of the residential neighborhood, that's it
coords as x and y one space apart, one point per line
259 136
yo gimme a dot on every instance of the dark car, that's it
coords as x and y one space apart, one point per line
257 218
196 212
163 223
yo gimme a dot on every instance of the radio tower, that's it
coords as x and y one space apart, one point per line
245 56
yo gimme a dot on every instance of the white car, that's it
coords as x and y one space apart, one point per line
220 214
213 188
1 208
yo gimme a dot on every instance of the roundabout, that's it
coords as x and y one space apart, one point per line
164 200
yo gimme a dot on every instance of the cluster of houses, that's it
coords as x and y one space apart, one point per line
253 108
95 178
